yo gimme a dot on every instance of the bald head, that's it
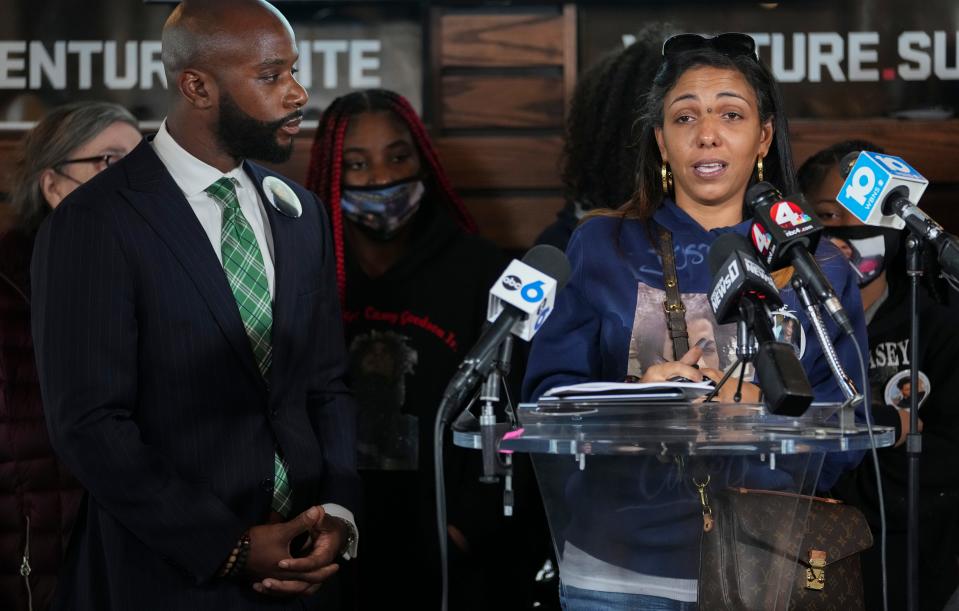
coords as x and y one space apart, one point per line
205 34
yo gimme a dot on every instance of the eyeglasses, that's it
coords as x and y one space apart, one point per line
731 44
102 161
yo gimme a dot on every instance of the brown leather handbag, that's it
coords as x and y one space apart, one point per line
746 548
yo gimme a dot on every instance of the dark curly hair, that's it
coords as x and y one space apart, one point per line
814 170
599 154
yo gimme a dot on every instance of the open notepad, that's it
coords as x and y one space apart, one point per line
649 391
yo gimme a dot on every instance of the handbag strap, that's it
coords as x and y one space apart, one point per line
673 306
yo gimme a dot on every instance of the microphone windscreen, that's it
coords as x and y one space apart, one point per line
551 261
760 192
723 247
848 161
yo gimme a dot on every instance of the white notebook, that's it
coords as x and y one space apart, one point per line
646 391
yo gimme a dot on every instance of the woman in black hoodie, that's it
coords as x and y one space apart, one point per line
877 256
413 280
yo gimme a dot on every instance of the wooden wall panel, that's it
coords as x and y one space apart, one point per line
500 82
513 222
501 162
502 101
928 146
501 39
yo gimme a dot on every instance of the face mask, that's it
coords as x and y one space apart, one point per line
869 249
383 210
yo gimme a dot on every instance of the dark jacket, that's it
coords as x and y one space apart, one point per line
889 360
608 319
38 497
407 332
153 397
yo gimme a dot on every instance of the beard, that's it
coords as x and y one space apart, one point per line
244 137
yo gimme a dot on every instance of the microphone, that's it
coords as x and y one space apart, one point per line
879 190
785 232
520 301
743 291
737 276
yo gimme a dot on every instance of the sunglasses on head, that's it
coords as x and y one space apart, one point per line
731 44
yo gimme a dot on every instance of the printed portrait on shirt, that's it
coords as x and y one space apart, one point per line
387 438
898 391
787 328
650 343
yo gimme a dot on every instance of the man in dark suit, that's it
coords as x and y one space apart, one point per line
190 349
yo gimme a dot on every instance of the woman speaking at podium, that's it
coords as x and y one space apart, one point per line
712 125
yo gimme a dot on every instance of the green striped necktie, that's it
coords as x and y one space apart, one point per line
246 273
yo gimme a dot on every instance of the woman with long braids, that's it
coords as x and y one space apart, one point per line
413 280
712 125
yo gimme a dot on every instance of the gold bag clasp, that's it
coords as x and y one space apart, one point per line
816 573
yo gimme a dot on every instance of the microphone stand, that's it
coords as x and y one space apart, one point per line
492 467
493 371
745 352
914 438
846 385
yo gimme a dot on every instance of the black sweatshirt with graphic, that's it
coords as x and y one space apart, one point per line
889 363
407 331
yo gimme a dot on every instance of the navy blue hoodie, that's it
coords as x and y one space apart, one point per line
608 322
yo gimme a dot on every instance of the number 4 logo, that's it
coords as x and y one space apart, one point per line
761 239
788 214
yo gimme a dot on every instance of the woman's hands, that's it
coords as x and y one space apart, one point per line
685 368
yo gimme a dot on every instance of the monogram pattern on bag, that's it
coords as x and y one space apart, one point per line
750 550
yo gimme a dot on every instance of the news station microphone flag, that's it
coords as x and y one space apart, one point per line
520 301
743 291
785 232
882 191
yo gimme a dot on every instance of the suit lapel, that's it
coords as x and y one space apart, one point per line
158 199
284 282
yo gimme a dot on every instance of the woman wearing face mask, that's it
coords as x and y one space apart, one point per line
38 499
877 257
413 279
712 125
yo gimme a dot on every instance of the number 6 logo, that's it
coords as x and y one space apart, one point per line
533 291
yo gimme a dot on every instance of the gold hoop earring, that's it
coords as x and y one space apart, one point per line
667 179
759 168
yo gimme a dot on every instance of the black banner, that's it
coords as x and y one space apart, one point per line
57 51
871 58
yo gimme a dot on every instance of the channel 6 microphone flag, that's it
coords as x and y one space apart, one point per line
529 290
871 180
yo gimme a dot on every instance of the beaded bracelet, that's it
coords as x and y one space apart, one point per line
237 560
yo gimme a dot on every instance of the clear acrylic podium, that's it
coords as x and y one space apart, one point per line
621 481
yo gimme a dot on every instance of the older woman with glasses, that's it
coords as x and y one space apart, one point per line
38 499
712 126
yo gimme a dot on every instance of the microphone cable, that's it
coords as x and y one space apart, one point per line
867 409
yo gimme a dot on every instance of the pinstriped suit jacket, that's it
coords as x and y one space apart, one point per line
153 398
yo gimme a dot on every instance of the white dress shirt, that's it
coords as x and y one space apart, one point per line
193 177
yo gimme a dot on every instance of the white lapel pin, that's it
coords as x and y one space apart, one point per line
282 197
